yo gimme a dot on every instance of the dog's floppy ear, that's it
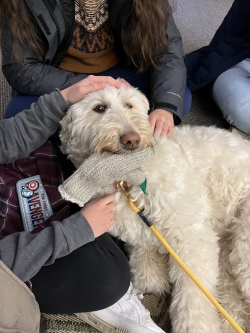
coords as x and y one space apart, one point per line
65 132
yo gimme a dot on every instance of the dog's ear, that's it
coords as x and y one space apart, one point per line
65 133
145 102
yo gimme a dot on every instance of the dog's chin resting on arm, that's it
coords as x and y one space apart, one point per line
198 197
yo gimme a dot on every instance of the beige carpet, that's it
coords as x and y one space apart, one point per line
198 20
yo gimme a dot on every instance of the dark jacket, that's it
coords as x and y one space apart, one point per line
229 46
55 22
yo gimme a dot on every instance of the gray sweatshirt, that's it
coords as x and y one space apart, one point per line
22 252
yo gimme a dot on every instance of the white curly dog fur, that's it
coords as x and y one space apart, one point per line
198 191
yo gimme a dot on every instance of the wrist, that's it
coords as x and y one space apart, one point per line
65 95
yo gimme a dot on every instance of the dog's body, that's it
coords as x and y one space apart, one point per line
198 191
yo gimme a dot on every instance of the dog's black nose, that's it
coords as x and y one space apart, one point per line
130 140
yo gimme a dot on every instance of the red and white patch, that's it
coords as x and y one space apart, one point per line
33 185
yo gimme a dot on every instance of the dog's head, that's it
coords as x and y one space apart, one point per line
112 120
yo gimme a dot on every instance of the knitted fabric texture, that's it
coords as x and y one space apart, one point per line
92 48
101 170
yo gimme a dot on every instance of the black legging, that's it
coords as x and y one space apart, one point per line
91 278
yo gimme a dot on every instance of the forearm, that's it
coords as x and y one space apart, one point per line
29 129
26 253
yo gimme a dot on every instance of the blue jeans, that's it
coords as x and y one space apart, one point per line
21 102
231 92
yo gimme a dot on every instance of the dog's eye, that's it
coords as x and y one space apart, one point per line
128 106
100 108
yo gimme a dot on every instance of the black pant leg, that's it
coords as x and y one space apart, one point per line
91 278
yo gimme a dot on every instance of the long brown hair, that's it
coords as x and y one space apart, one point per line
16 15
147 31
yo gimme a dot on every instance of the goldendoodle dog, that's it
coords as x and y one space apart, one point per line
198 197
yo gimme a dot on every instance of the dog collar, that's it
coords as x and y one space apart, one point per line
143 186
124 184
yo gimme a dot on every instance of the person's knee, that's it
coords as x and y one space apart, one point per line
115 285
19 311
93 277
233 99
237 112
115 277
116 266
240 116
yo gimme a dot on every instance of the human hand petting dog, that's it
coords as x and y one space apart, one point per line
97 210
98 171
79 90
162 122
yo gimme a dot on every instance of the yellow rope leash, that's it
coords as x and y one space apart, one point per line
139 211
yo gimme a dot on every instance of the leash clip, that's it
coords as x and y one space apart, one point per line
127 195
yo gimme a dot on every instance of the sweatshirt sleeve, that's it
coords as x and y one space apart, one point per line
29 129
26 253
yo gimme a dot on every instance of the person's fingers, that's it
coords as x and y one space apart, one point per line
100 214
158 127
111 206
105 200
111 215
108 199
126 83
170 131
93 87
165 129
105 79
77 92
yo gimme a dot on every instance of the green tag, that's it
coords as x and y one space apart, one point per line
143 186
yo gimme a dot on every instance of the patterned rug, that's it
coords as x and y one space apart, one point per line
66 323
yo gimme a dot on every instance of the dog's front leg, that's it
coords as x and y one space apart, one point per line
149 270
231 298
239 259
191 311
